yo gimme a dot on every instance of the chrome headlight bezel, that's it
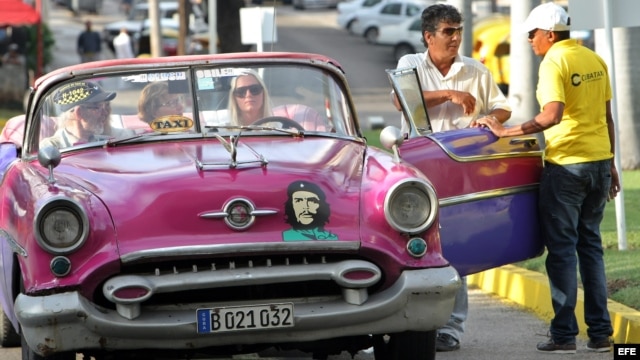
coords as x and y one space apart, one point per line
71 216
427 210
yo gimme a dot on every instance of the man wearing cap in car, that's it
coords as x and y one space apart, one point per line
86 110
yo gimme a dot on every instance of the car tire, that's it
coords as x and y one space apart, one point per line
401 50
415 345
371 34
8 335
349 27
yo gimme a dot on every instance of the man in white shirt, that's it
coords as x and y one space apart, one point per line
457 91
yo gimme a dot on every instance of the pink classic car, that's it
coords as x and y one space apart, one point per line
143 215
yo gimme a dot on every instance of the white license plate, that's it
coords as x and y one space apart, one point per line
239 318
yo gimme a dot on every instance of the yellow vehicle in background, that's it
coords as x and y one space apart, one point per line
491 46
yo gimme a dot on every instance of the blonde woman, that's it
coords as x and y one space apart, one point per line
248 99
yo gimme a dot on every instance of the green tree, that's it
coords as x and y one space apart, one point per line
47 40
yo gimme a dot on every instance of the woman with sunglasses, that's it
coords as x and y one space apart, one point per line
248 99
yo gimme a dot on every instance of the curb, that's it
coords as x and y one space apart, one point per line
531 290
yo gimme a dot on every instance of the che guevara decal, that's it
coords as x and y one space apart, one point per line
307 211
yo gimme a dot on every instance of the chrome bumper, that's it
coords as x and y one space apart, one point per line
420 300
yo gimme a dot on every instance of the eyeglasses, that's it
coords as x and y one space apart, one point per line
173 102
241 92
450 31
532 33
96 107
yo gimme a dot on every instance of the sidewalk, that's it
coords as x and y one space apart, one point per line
531 290
66 27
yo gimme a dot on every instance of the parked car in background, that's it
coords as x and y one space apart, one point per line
368 21
491 46
90 6
189 234
404 38
314 4
138 21
347 11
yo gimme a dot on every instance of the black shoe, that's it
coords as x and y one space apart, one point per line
603 345
551 347
446 342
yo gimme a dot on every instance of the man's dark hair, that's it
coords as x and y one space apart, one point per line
563 35
435 14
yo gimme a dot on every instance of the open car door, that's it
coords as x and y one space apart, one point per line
487 186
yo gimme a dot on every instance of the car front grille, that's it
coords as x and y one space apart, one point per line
242 279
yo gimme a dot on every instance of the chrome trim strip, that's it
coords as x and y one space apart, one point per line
482 195
13 244
537 153
236 249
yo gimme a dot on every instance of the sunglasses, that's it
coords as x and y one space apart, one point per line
241 92
450 31
96 107
173 102
532 34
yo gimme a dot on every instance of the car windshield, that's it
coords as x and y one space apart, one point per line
187 102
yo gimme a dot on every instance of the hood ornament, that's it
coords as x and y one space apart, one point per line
231 146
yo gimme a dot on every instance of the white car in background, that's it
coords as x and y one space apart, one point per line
405 38
369 21
314 4
347 11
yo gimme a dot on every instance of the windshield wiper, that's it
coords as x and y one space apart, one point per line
128 139
291 131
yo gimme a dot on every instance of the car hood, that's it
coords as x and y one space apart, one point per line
167 194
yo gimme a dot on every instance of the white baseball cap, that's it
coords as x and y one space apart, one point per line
548 16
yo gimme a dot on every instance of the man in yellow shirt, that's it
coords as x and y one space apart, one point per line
579 176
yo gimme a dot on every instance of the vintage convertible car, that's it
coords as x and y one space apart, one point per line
190 234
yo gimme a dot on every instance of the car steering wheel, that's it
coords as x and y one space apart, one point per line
285 122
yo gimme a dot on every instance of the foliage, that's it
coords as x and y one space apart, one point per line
47 40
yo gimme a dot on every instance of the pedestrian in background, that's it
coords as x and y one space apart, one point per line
13 56
579 176
89 44
122 45
457 90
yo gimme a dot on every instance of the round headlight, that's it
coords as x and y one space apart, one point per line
410 206
61 227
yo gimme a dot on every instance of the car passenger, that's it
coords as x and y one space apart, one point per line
248 99
156 101
86 111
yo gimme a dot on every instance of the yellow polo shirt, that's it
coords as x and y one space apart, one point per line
578 77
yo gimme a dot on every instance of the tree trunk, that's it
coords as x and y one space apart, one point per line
627 80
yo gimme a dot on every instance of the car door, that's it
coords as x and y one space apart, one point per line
487 187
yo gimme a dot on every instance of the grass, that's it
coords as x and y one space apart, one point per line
621 266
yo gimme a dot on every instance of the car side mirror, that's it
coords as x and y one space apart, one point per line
49 157
391 138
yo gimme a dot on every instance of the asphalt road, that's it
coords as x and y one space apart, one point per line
496 329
